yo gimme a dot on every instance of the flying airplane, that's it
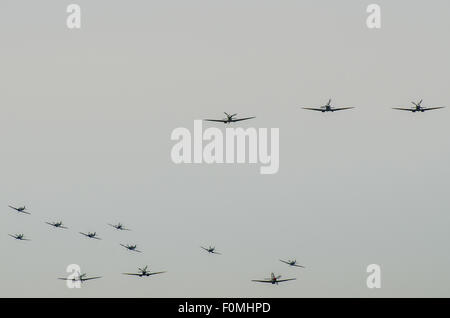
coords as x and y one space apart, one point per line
81 278
20 237
143 272
211 250
229 119
57 224
20 209
91 235
273 279
418 107
327 108
131 248
119 226
292 263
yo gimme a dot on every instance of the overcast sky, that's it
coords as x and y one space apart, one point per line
85 123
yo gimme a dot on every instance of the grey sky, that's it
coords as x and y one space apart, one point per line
85 123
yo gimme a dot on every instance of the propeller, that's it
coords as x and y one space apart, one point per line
229 116
418 104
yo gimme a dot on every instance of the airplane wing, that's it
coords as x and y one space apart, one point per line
341 108
137 251
240 119
12 236
261 281
156 273
91 278
298 266
204 248
65 278
284 262
133 274
216 253
407 109
285 280
97 238
316 109
216 120
63 227
84 234
431 108
13 208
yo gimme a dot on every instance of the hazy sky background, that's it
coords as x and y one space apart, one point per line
85 123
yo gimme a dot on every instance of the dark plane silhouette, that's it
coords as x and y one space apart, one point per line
292 263
327 108
229 119
20 237
211 250
418 107
20 209
273 279
81 278
143 272
131 248
57 224
119 226
91 235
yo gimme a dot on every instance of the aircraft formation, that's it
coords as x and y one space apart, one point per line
328 108
144 271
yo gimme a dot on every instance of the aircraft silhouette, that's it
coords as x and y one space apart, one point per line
418 107
229 119
91 235
292 263
20 237
327 108
20 209
81 278
211 250
119 226
273 279
131 248
57 224
143 272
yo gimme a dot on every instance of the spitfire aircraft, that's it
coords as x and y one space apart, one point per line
273 279
91 235
292 263
131 248
418 107
57 224
119 226
20 237
211 250
327 108
229 119
143 272
20 209
81 278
